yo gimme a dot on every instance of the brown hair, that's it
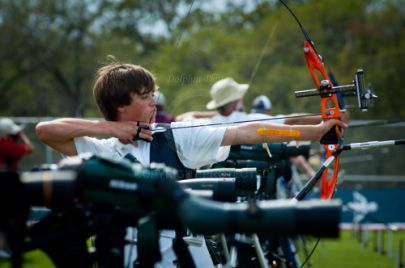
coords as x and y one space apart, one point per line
115 84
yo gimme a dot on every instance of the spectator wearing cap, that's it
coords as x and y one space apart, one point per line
14 144
262 105
161 115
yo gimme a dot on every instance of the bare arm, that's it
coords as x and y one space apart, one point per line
247 133
302 164
302 119
27 142
59 134
196 114
308 119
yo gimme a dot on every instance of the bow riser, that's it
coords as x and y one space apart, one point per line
329 103
330 109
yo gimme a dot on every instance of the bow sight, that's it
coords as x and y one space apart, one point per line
356 89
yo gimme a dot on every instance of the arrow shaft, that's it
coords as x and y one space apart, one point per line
372 144
352 146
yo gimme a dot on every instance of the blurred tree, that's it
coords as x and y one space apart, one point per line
49 41
49 50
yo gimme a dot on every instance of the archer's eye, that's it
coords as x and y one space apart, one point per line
145 96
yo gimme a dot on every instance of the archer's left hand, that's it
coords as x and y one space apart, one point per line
325 126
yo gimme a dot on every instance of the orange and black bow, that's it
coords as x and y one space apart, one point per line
332 105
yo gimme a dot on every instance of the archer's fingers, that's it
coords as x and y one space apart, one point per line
326 126
339 123
345 117
142 131
146 134
129 141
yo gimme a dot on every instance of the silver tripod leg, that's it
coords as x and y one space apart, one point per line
259 251
225 249
233 254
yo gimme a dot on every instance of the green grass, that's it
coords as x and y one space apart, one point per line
32 259
345 252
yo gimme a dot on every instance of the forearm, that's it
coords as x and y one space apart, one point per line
27 142
247 133
67 129
196 115
310 119
302 164
303 119
59 134
206 114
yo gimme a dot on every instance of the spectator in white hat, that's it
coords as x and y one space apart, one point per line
14 144
227 99
226 91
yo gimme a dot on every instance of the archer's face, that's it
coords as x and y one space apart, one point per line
142 108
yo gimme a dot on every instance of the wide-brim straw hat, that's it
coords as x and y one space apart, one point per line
225 91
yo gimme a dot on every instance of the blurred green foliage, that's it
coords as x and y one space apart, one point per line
50 50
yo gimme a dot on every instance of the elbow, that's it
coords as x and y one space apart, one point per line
42 130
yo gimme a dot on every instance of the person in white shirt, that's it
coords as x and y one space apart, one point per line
227 101
124 93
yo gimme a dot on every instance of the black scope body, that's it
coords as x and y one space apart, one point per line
100 179
246 180
279 151
113 182
223 189
272 218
